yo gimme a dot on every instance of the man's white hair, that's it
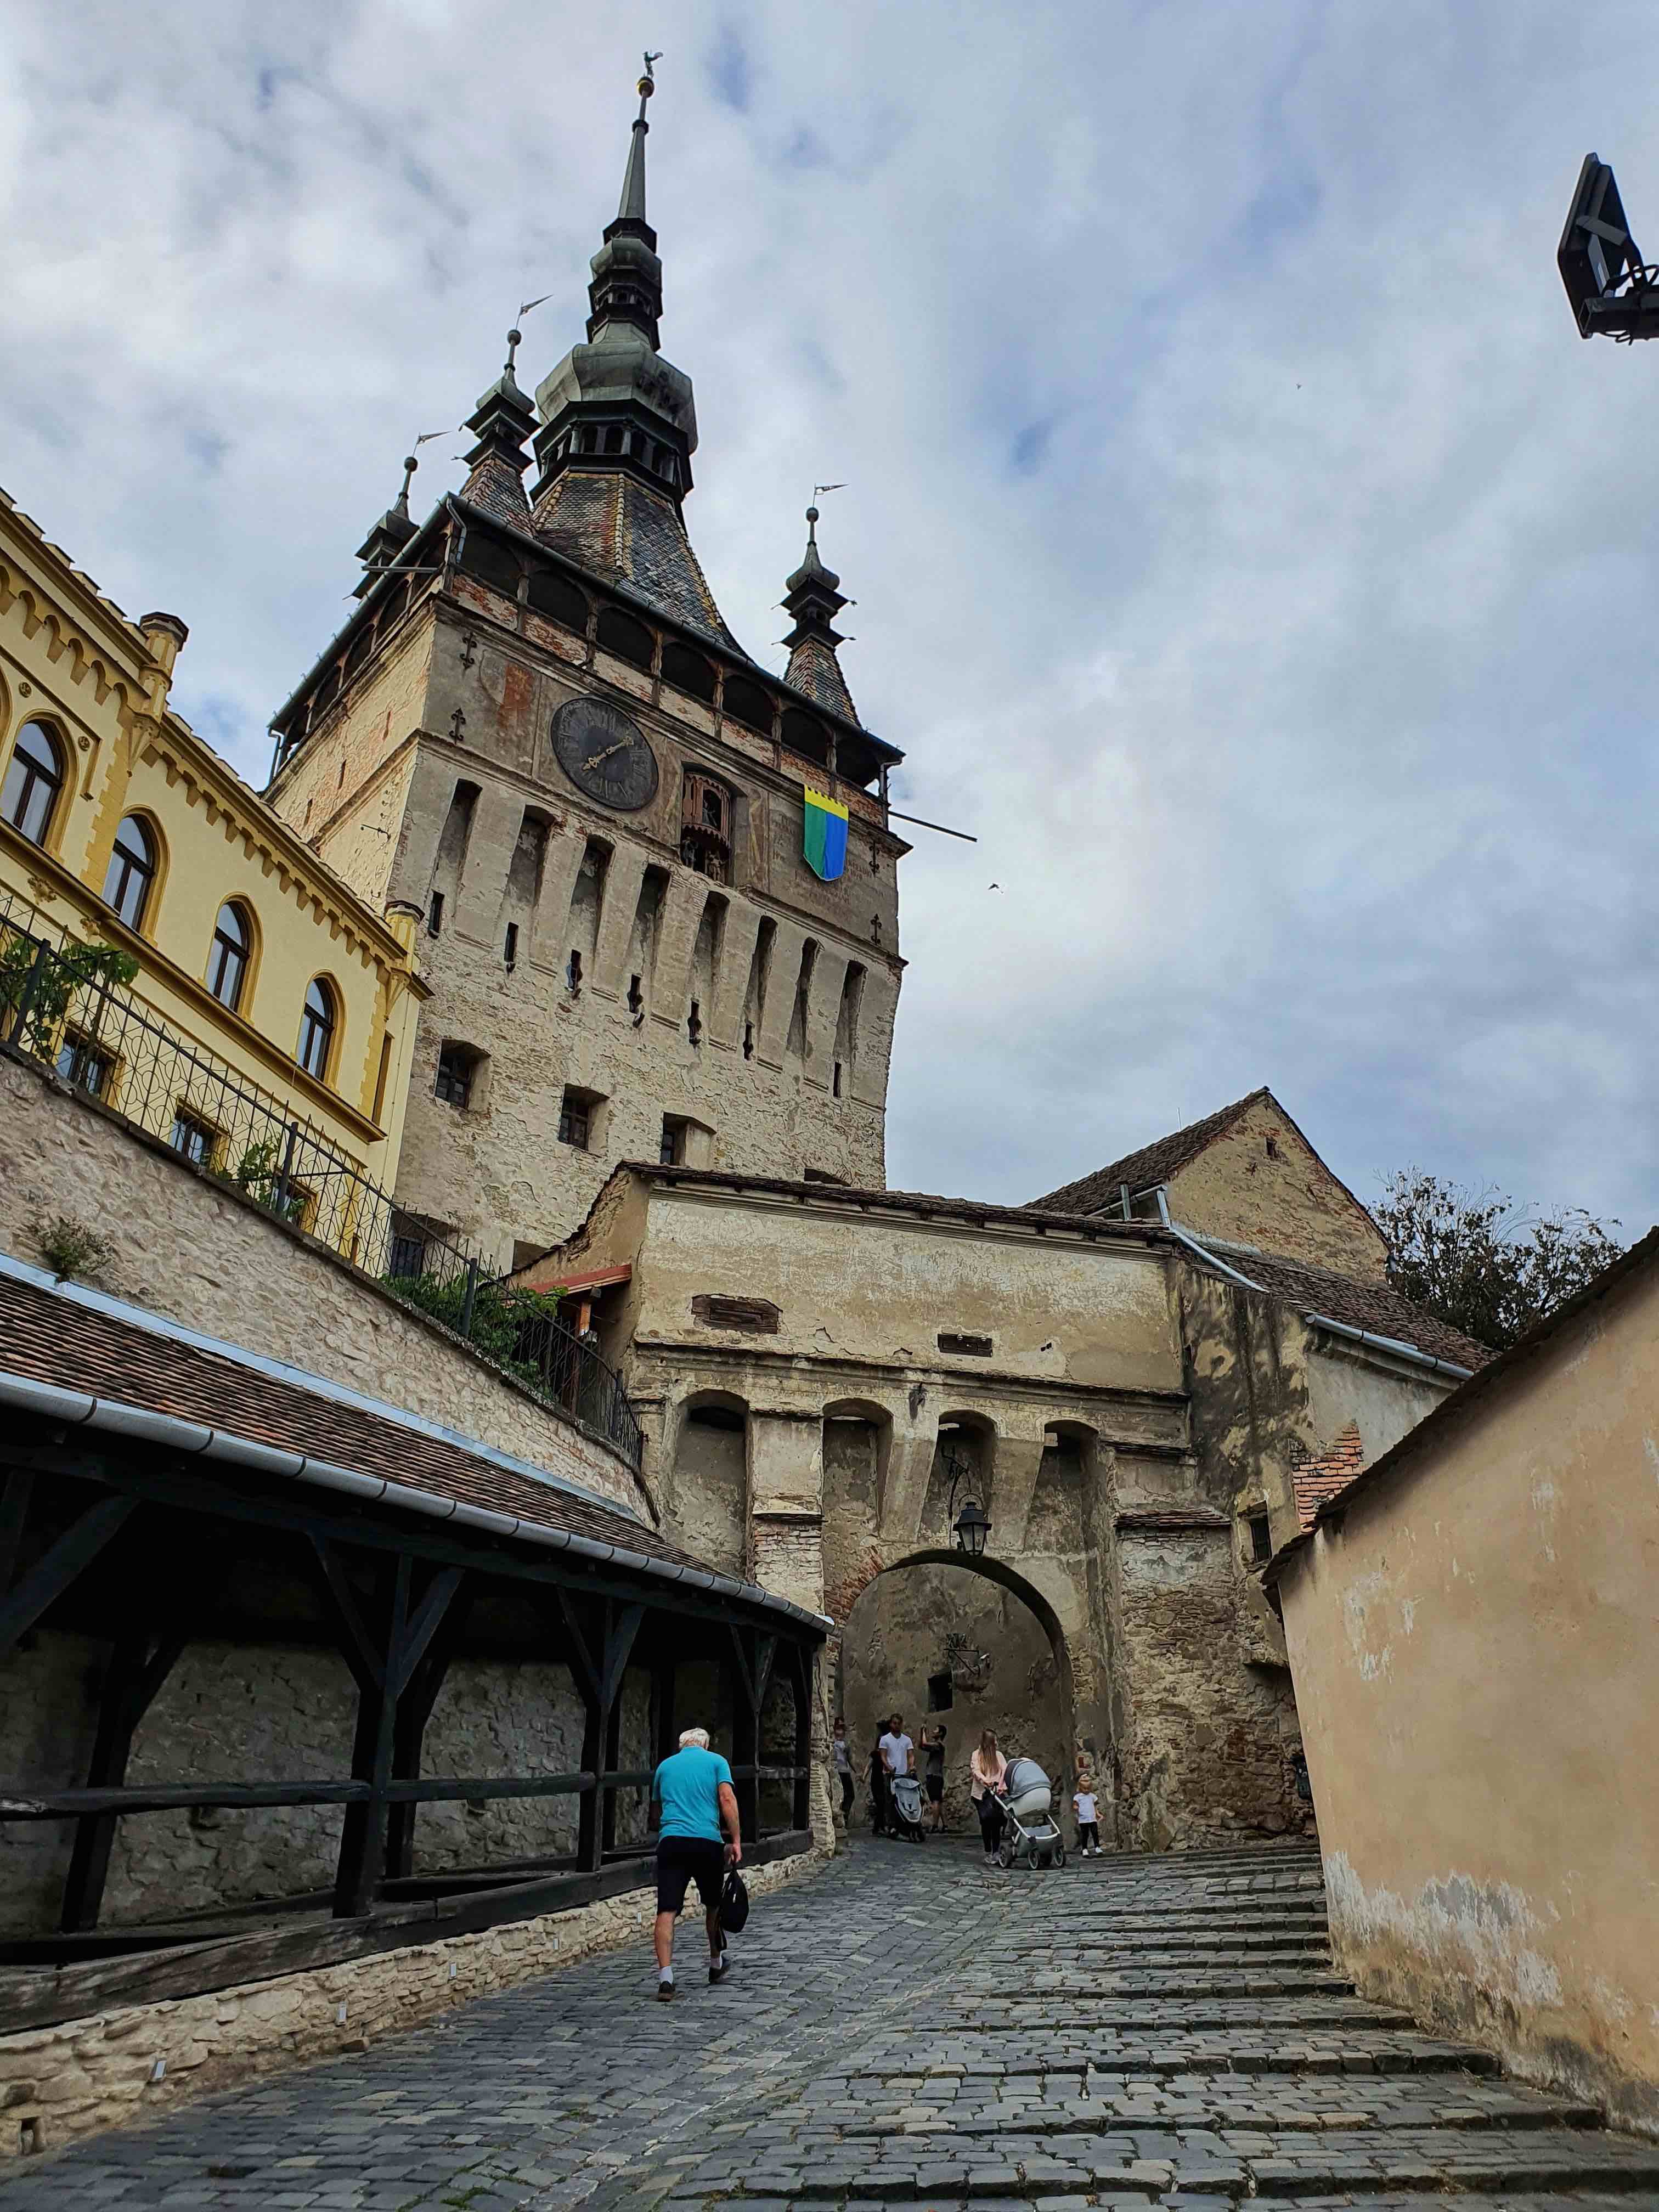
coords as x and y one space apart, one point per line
698 1736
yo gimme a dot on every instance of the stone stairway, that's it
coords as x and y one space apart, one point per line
1169 2030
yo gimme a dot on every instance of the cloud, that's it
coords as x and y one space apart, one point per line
1245 545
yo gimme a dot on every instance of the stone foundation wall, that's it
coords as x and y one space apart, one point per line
58 2083
241 1712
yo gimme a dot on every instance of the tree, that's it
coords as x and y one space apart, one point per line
1480 1262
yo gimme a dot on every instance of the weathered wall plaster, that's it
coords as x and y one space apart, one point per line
1474 1643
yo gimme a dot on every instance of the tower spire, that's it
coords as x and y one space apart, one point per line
813 598
501 422
615 404
388 540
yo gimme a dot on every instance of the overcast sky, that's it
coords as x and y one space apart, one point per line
1246 547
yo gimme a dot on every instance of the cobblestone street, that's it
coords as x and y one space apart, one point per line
1121 2033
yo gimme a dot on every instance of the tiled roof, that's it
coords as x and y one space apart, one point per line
814 672
1371 1306
1153 1163
610 524
496 488
45 1337
1318 1481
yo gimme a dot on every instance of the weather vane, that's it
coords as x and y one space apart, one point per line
647 83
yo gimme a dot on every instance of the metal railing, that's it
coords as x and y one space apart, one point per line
67 1006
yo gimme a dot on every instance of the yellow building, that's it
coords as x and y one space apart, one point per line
266 1029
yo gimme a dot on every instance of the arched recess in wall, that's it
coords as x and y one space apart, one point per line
964 1644
857 1442
708 1501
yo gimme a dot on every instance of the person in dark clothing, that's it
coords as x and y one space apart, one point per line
879 1816
933 1745
842 1753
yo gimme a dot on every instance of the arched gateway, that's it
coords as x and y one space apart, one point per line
814 1367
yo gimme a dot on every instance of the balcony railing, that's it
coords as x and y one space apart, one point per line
64 1006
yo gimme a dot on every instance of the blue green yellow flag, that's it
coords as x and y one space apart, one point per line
824 835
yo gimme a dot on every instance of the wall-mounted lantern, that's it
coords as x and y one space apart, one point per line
972 1529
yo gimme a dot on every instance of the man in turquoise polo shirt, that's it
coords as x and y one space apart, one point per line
695 1800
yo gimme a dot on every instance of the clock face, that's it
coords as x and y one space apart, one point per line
604 754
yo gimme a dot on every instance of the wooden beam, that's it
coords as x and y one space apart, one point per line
135 1674
155 1480
52 1574
13 1515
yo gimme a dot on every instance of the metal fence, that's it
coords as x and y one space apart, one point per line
67 1005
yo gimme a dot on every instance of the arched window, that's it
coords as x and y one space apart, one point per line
317 1030
131 872
33 781
227 957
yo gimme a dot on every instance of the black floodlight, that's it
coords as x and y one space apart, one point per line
1597 256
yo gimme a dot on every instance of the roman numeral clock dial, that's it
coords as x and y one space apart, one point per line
604 754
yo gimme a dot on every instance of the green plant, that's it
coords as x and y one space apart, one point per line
258 1172
1479 1262
498 1321
72 1248
34 976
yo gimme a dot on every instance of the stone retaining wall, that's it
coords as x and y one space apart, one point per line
201 1251
58 2083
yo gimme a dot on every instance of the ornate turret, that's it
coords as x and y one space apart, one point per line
388 540
813 598
615 404
502 420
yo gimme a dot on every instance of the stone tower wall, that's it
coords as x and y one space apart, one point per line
436 773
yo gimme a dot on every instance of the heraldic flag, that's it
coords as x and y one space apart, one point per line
824 835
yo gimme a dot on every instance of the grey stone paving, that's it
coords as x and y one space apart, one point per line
1123 2034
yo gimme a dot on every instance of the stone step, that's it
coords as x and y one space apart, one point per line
1383 2108
1348 2170
1199 1983
1358 2051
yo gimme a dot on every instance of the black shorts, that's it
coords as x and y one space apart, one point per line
935 1788
685 1859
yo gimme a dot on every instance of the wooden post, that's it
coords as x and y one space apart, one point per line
363 1831
745 1731
136 1674
800 1675
414 1711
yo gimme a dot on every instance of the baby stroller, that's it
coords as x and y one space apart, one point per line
1028 1825
904 1791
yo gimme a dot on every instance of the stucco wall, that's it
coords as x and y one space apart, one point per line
72 662
188 1247
1286 1199
1475 1646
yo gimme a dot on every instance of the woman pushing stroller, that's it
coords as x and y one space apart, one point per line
988 1770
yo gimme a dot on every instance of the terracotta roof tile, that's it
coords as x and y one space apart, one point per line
1316 1481
1372 1306
48 1338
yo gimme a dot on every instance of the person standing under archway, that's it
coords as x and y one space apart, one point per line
988 1770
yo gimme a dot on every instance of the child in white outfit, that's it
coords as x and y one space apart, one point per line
1088 1817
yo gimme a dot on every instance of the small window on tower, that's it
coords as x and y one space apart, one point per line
836 1083
670 1149
576 1119
435 916
1261 1537
635 1000
706 826
457 1072
694 1023
1272 1148
572 974
510 946
749 1040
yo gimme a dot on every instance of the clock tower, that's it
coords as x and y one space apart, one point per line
655 882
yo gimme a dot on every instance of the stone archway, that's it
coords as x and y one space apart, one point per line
959 1643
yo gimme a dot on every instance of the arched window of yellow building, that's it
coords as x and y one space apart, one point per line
317 1029
29 798
227 957
131 872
